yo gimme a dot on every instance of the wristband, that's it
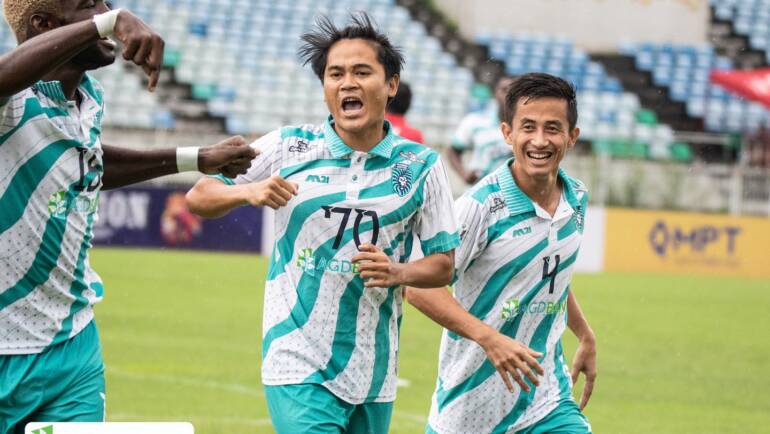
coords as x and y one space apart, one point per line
187 159
105 23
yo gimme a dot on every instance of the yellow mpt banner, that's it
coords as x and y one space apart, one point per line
657 241
109 428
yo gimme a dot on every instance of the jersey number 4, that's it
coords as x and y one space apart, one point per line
552 273
360 214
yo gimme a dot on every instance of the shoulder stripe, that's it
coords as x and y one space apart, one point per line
482 193
314 164
304 133
32 109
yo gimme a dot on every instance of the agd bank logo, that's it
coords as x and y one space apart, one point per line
667 239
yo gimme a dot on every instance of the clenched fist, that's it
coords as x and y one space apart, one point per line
141 45
230 157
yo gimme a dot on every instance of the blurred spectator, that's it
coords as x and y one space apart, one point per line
758 148
396 114
480 134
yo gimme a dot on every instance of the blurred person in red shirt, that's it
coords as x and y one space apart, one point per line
396 114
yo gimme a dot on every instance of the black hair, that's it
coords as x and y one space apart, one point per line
540 85
318 41
401 102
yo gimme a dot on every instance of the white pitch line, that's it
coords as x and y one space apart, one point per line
189 381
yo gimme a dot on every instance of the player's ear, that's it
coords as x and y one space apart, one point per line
41 22
573 136
393 83
506 130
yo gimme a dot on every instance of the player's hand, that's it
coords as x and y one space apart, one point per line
376 268
230 157
585 362
511 358
141 45
274 192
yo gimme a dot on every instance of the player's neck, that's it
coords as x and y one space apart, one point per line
364 140
543 190
69 77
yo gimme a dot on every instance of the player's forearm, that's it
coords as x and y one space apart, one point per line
211 198
441 307
36 57
128 166
576 321
429 272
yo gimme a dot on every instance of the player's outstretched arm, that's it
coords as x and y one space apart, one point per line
230 157
378 271
585 356
211 198
55 45
510 357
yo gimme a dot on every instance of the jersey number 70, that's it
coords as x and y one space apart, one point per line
360 213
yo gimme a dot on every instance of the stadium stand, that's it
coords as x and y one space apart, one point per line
684 70
240 57
750 18
610 117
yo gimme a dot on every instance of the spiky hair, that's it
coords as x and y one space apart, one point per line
17 13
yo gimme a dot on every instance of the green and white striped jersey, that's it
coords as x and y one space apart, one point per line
480 134
50 177
320 325
513 270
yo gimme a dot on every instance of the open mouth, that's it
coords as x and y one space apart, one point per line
351 105
539 155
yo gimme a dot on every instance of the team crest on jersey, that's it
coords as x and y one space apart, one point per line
301 146
401 177
411 156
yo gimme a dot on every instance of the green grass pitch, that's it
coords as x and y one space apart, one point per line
677 354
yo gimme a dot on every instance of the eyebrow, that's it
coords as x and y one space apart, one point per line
547 123
356 66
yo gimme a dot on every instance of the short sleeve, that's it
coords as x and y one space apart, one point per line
267 162
470 216
436 226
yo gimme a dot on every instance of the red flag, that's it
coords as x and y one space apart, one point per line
752 84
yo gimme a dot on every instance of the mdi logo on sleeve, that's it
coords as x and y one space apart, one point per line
110 428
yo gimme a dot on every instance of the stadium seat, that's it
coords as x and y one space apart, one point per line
684 70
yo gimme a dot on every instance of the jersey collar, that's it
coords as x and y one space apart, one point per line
518 202
339 149
53 89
